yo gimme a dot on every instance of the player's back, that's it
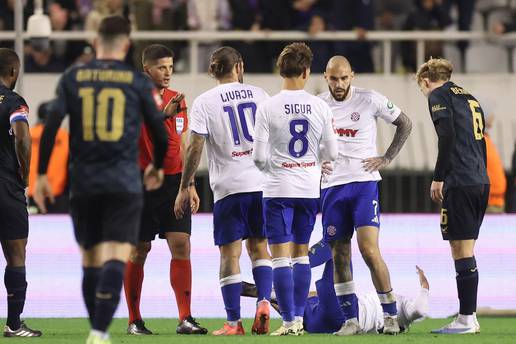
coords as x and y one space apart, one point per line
294 123
226 114
468 163
105 100
12 107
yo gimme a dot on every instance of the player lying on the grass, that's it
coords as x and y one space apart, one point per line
293 134
15 154
223 118
324 315
157 216
460 184
349 195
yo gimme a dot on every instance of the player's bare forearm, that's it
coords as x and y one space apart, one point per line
192 159
22 146
23 152
184 139
403 128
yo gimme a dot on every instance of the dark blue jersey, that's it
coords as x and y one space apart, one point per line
459 122
12 108
105 100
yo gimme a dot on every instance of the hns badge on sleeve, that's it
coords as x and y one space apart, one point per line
180 125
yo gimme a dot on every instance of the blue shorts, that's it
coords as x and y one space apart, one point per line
289 219
238 216
349 206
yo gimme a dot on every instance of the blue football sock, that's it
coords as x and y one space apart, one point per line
284 287
388 302
262 274
319 254
90 279
348 300
302 276
107 294
231 287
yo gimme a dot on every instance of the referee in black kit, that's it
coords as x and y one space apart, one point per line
460 181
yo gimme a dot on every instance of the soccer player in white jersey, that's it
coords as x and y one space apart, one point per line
294 129
223 117
349 197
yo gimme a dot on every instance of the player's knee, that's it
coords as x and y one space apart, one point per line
181 249
15 254
371 255
139 254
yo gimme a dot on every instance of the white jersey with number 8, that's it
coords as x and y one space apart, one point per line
225 114
294 124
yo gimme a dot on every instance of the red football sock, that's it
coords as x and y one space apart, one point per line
133 281
181 282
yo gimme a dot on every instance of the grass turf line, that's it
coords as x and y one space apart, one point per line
71 331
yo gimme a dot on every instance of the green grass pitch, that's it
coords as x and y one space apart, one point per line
71 331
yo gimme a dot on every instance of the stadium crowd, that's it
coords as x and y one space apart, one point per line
312 16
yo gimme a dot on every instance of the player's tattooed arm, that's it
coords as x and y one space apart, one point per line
193 157
22 146
403 128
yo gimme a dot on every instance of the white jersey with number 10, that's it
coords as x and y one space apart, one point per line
293 123
225 114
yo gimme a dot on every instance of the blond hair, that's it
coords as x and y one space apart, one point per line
435 70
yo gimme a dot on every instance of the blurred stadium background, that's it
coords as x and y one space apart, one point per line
384 39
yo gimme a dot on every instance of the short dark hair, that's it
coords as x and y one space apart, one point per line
294 60
155 52
223 60
8 60
114 26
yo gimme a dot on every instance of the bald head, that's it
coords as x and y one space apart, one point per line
339 75
338 62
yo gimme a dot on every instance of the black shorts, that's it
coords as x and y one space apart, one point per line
106 217
14 218
463 212
158 211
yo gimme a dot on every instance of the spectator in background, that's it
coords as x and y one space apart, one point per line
312 16
355 15
42 61
390 14
500 28
102 9
245 16
7 20
57 169
275 16
427 15
64 16
465 9
497 179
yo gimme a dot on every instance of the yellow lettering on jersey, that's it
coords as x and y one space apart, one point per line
458 90
105 75
438 107
1 99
